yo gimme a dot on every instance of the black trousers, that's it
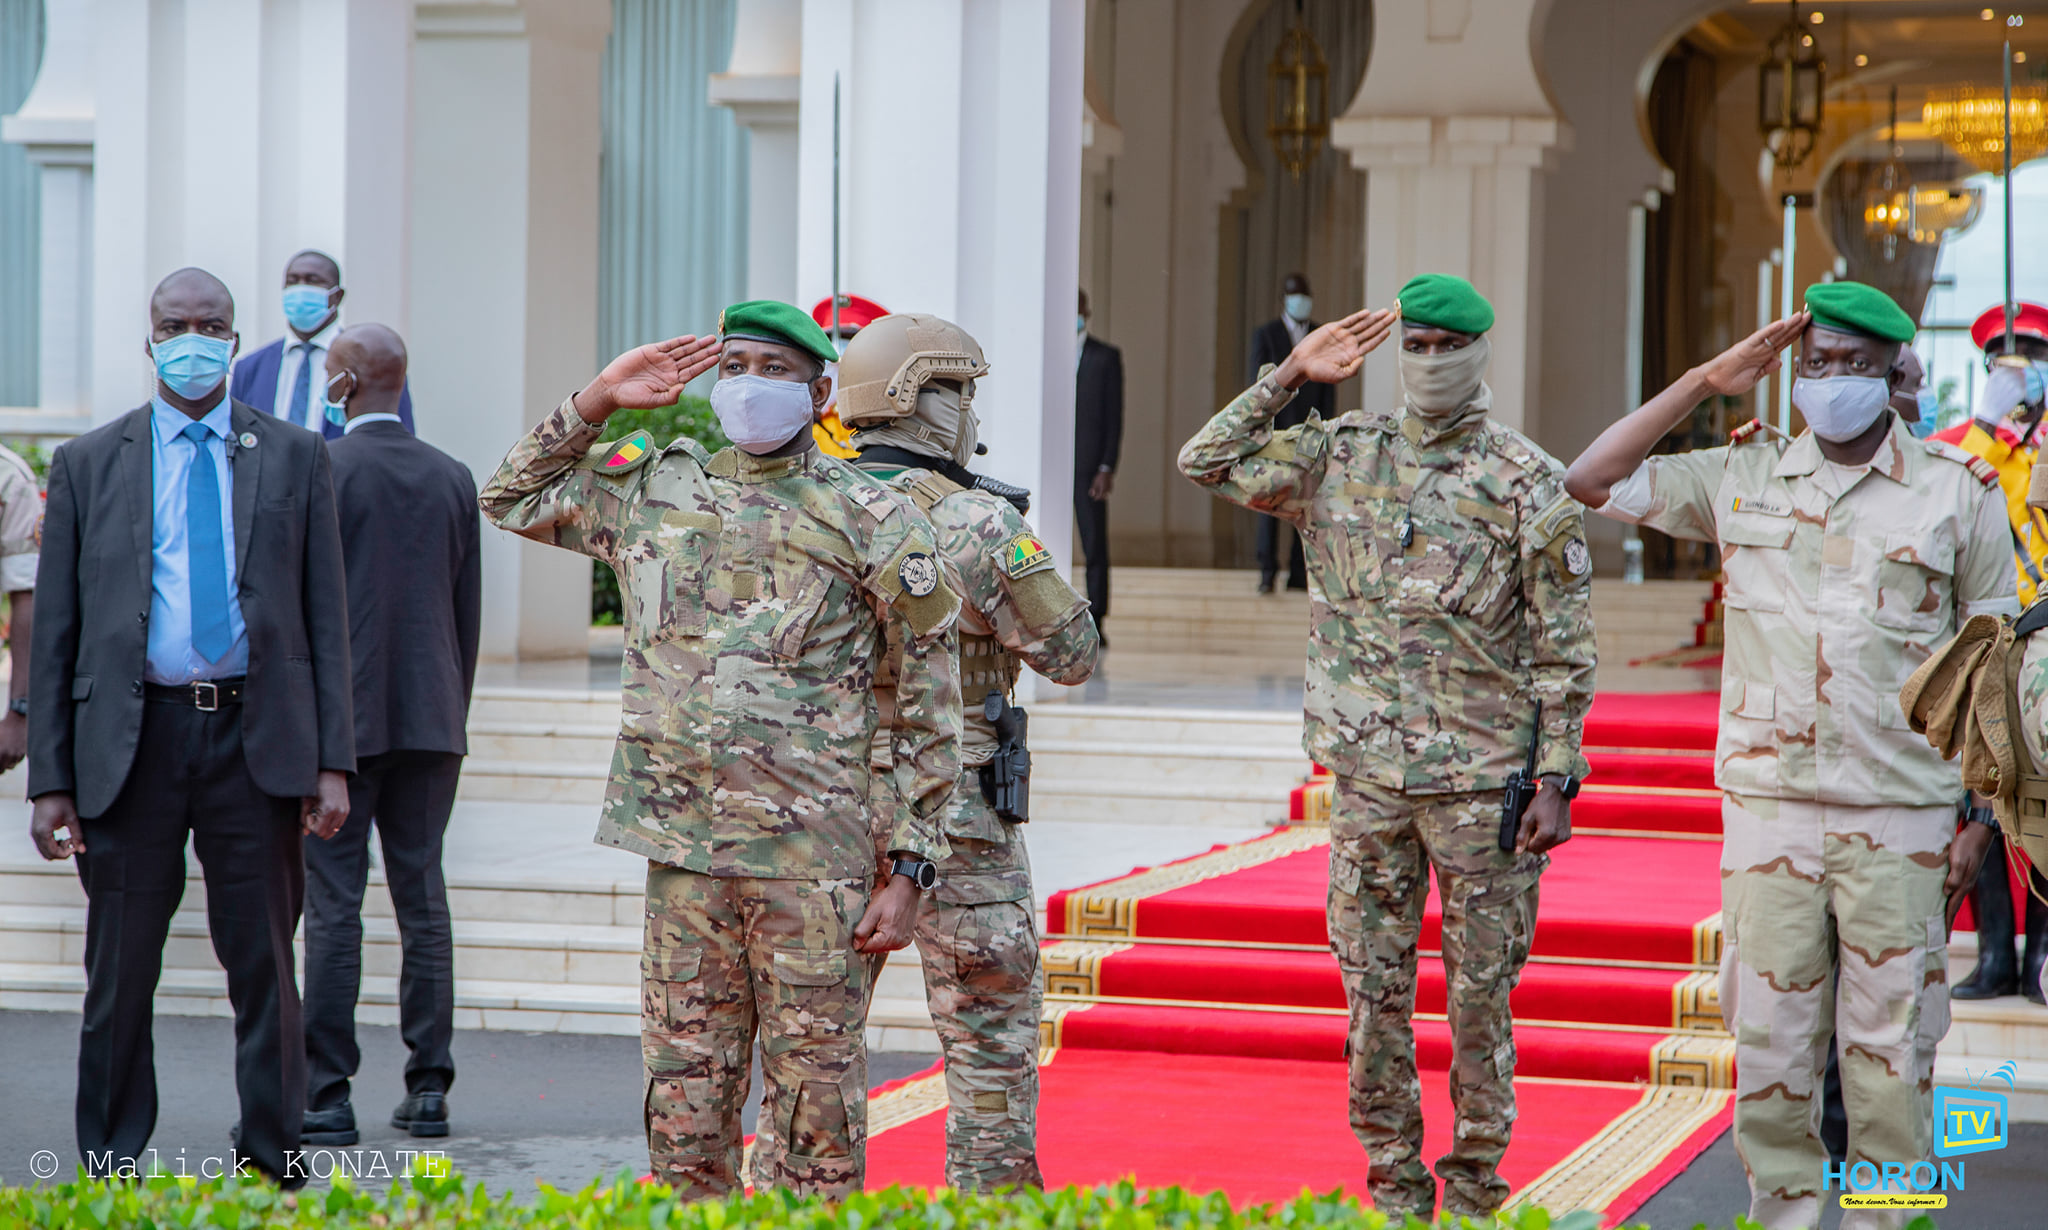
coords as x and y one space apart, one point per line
407 796
1270 529
1091 522
189 776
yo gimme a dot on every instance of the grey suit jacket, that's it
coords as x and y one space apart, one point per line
92 611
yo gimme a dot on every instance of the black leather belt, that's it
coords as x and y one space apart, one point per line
206 695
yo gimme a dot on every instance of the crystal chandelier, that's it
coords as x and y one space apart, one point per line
1972 123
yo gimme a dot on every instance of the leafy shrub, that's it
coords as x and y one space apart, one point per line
448 1203
689 417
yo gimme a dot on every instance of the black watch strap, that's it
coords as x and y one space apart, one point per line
1566 784
1984 816
920 871
18 706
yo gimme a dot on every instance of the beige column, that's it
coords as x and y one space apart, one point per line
506 140
1453 128
760 84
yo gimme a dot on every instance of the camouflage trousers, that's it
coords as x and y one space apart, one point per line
977 935
1832 923
1383 846
725 955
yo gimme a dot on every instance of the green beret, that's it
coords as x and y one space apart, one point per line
771 320
1852 307
1441 301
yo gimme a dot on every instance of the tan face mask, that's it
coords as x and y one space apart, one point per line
1440 385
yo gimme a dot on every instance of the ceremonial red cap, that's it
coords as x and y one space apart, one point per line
2028 318
855 313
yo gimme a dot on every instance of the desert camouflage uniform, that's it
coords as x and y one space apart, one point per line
977 932
1425 664
21 523
1837 818
756 594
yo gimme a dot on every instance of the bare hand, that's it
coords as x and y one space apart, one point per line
647 377
1337 350
1546 824
323 814
1738 368
1965 855
54 812
13 740
1098 487
886 926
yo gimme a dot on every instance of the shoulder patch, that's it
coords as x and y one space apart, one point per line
1986 472
1563 514
1980 469
918 573
1023 555
621 456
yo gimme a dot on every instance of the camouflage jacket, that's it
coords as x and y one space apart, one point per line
1014 603
1839 582
756 592
1449 586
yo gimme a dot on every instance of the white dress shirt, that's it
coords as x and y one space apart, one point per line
360 419
313 349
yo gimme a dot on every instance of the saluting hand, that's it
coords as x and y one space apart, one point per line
1738 368
1336 351
646 377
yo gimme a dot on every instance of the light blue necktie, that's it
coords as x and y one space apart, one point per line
302 384
206 553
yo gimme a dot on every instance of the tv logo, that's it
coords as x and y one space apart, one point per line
1970 1120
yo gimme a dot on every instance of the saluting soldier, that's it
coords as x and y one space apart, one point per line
906 387
1449 585
759 583
1850 554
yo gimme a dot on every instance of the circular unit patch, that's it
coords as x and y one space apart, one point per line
920 576
1577 560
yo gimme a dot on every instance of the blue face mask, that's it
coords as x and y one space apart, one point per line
1930 411
305 306
1080 324
192 365
1297 307
336 412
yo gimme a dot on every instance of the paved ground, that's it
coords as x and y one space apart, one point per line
564 1109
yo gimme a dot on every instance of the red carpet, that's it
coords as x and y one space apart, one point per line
1160 1120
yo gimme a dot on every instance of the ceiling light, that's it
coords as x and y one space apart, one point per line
1817 18
1862 60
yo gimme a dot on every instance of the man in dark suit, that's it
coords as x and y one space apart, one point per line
191 676
1098 436
283 377
409 528
1272 342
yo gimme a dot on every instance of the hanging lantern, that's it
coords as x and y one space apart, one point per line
1789 88
1973 124
1297 98
1885 207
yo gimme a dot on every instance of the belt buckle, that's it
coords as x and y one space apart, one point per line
206 696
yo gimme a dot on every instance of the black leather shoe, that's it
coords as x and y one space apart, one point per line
422 1114
335 1125
1266 583
1991 901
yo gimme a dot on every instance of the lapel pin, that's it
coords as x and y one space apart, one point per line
248 439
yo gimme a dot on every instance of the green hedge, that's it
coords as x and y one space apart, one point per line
690 417
450 1204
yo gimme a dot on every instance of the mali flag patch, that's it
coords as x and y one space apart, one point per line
1024 553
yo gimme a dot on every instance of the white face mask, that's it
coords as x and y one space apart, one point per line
1840 408
761 415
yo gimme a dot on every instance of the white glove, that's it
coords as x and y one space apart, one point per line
2004 389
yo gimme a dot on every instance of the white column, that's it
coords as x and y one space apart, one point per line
55 128
961 183
760 84
506 138
1452 127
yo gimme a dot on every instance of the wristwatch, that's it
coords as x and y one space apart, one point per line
18 706
1984 816
920 871
1566 784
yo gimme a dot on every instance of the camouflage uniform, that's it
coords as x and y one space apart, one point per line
756 592
977 932
1425 664
1837 817
21 523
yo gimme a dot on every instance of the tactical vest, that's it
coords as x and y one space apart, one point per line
1966 700
985 665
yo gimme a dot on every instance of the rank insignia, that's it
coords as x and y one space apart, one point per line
920 576
626 454
1024 553
1577 560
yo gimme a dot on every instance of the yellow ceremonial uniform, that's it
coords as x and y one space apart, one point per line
2015 467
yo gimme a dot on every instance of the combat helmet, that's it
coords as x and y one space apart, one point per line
892 358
